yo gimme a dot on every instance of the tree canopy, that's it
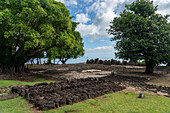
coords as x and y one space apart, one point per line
142 34
74 50
29 27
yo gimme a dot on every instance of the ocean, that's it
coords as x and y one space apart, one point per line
78 60
72 61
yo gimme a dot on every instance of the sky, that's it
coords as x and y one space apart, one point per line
95 17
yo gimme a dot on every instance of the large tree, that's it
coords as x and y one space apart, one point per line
74 50
28 27
141 34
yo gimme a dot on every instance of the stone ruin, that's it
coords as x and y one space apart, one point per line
46 96
112 62
49 96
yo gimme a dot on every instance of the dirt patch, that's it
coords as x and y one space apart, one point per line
161 81
138 91
94 105
101 97
71 71
71 111
34 109
8 97
92 70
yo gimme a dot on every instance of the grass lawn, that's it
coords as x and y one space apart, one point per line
17 105
113 103
12 82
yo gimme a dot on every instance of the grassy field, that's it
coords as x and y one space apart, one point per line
112 103
17 105
13 83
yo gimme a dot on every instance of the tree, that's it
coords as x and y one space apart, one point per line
38 57
29 27
141 34
74 50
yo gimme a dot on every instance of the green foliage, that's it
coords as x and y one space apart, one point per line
141 63
29 27
142 34
73 49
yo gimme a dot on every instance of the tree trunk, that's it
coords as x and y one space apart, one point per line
58 61
49 61
63 61
54 61
40 60
12 68
37 61
19 68
31 61
149 67
16 67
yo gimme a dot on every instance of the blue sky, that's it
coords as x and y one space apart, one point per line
94 17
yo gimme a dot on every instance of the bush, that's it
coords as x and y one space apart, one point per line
141 64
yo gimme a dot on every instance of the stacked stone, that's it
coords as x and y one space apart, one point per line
139 82
48 96
118 63
112 62
132 63
124 62
93 61
5 93
105 62
100 61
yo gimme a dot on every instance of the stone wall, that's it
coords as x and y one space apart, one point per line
112 62
48 96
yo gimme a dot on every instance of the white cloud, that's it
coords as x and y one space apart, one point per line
163 6
82 18
104 14
68 2
106 10
102 40
88 30
87 1
104 48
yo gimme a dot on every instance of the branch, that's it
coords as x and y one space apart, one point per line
21 49
31 55
39 51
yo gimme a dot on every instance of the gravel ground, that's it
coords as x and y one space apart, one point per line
129 76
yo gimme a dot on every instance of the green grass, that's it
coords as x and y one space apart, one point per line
14 83
17 105
121 103
113 103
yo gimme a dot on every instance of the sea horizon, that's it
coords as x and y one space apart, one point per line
73 61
